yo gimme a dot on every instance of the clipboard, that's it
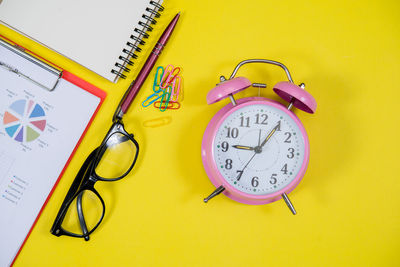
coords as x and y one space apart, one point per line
29 128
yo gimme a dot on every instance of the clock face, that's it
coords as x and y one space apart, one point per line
259 149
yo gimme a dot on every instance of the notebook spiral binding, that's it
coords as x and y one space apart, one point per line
136 40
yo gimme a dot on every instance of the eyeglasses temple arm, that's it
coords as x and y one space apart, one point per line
81 217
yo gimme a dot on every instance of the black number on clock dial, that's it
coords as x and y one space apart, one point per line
225 146
288 137
273 179
261 119
254 181
228 164
244 122
239 175
234 132
291 153
278 126
284 169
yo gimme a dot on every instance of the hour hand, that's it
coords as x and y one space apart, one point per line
244 147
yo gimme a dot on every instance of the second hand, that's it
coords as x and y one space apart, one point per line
258 149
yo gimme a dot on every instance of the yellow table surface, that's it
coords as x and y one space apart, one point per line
346 52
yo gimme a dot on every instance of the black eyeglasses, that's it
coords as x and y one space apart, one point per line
83 208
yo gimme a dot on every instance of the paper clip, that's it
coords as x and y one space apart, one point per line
167 86
171 105
157 122
150 100
164 100
181 94
176 89
169 76
156 95
158 79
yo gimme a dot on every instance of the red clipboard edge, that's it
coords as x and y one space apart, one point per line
85 86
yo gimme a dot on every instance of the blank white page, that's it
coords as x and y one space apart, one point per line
91 32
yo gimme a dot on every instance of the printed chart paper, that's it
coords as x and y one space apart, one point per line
38 132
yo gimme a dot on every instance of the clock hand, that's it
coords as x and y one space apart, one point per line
244 147
257 150
249 161
249 147
220 189
245 166
270 135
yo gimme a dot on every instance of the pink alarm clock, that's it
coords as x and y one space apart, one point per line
255 150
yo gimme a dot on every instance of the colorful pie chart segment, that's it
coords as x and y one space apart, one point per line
24 120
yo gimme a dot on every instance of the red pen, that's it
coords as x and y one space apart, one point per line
144 72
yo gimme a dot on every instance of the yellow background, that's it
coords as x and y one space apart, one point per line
347 54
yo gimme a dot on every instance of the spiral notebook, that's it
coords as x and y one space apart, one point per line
103 36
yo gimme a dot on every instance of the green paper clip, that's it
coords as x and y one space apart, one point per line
156 95
158 79
167 92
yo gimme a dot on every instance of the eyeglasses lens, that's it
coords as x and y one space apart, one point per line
85 212
117 158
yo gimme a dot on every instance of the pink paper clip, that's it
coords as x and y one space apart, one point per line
169 76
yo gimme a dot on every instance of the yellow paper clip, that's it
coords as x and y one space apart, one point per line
157 122
176 89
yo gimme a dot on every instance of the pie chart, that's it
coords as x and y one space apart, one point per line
24 120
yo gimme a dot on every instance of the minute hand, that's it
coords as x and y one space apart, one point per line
270 135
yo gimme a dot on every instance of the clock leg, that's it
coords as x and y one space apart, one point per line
216 192
288 203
